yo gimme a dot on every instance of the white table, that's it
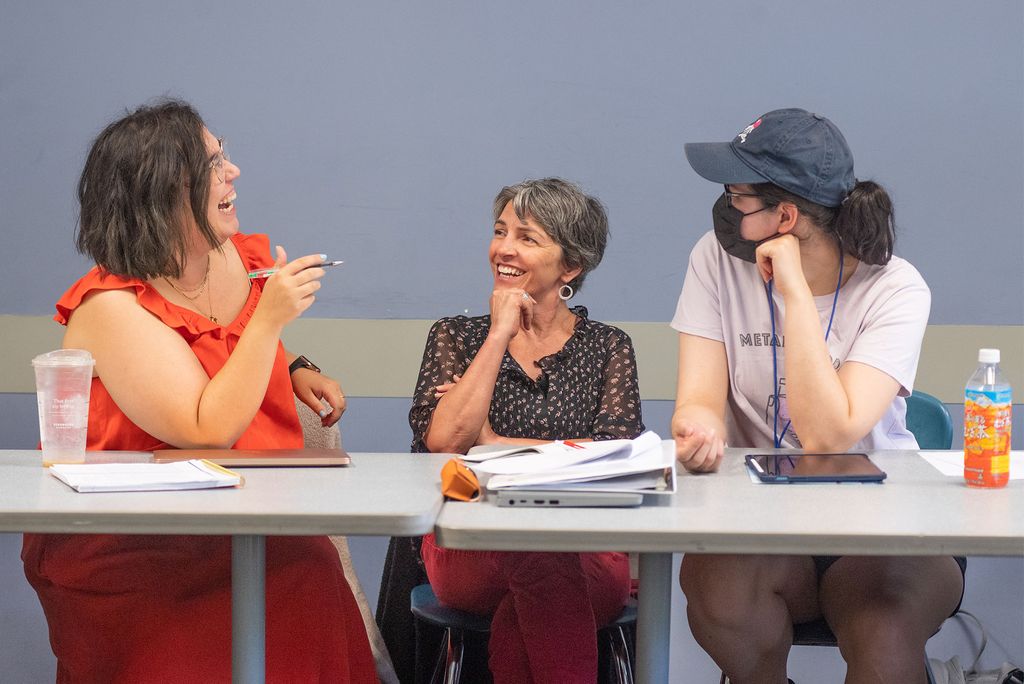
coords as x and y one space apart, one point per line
379 494
917 511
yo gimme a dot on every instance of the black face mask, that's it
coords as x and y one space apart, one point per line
727 219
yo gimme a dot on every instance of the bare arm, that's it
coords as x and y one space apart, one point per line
459 420
156 379
312 387
461 413
698 423
488 436
830 410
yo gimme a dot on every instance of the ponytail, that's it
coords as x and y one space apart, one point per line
864 224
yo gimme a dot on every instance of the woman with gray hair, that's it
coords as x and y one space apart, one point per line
532 371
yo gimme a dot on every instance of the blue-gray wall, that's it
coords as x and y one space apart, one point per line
378 132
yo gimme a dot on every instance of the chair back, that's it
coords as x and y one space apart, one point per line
929 421
316 436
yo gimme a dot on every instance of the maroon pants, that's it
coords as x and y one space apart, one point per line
546 607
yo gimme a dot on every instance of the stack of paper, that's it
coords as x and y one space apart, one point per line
620 465
140 477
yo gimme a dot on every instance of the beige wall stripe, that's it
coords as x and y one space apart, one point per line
380 358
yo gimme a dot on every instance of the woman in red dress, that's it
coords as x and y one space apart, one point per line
188 355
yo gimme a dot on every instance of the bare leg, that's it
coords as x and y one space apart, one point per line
884 609
742 608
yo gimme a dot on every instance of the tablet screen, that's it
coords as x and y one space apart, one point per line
814 467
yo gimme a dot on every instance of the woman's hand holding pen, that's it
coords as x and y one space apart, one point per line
291 290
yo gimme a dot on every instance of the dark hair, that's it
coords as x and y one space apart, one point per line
576 221
133 220
864 224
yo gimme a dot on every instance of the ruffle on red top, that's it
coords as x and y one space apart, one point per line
255 253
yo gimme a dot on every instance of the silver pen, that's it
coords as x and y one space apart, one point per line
267 272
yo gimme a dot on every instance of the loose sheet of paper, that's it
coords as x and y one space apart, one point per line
951 463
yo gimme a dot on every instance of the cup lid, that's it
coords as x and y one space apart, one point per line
65 357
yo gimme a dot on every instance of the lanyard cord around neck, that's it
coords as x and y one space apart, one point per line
776 437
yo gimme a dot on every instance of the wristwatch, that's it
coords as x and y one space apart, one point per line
302 362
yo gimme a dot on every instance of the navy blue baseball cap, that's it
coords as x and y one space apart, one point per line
801 152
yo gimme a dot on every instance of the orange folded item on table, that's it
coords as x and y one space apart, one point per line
459 482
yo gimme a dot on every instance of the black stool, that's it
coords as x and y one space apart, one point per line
456 623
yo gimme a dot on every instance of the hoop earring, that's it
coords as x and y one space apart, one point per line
566 292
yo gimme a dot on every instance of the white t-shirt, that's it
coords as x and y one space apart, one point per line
880 319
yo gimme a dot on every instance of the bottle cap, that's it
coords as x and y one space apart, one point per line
988 356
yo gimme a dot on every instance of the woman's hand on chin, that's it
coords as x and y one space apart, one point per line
778 260
511 311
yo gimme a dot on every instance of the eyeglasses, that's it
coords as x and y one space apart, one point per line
744 214
729 195
217 163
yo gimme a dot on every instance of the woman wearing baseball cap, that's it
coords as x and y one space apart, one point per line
800 329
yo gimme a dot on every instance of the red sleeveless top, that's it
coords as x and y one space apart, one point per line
157 608
275 426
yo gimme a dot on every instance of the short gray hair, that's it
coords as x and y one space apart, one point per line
576 221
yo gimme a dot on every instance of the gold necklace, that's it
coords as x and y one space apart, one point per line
209 297
198 292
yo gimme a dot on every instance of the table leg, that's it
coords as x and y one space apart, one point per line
654 611
248 608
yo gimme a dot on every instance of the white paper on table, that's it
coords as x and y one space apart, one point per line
141 477
554 456
646 456
951 463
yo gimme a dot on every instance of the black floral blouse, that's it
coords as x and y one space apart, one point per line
587 389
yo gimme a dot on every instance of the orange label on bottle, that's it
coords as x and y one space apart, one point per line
987 423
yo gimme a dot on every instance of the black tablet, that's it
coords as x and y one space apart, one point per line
795 468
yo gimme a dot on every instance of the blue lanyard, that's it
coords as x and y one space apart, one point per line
777 439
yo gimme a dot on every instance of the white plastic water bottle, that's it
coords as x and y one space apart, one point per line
988 412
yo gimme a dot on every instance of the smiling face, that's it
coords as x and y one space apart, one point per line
524 256
220 211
